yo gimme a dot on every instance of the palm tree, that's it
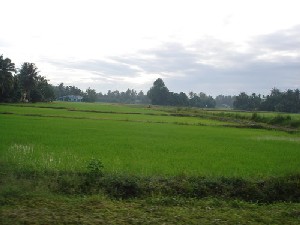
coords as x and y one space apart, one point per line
28 75
6 78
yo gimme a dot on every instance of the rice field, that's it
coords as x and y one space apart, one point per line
131 139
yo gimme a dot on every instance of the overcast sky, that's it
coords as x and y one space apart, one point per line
212 46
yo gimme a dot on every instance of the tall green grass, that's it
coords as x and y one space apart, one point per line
146 148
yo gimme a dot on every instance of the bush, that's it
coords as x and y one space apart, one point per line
268 190
95 167
122 186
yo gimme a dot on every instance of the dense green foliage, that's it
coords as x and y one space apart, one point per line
7 81
201 100
129 97
61 90
159 94
24 86
124 186
288 101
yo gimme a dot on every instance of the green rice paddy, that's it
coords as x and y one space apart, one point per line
130 139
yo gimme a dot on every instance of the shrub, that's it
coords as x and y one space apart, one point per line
122 186
95 167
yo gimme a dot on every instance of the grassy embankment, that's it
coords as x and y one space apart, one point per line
164 159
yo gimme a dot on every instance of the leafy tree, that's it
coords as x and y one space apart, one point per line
27 78
201 100
6 79
288 101
158 93
43 92
278 101
72 90
62 91
32 86
292 101
273 101
245 102
26 86
16 96
207 101
130 96
36 95
176 99
59 91
90 95
241 101
254 102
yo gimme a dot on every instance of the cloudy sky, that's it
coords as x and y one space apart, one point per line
211 46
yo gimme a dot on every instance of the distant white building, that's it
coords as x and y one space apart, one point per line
71 98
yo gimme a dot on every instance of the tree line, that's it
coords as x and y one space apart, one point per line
159 94
130 96
278 101
287 101
27 85
24 84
